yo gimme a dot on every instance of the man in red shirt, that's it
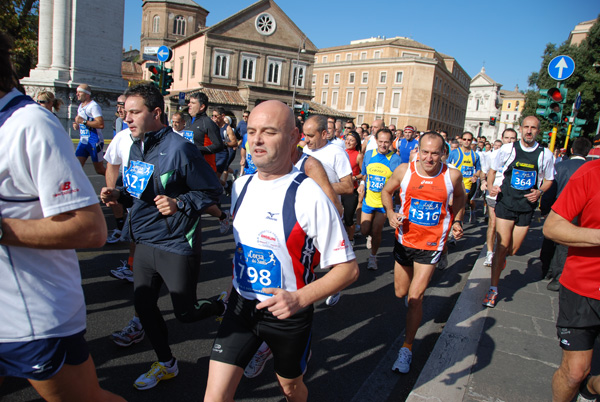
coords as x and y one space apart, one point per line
578 324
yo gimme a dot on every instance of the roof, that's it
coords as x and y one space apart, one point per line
318 108
216 96
397 41
511 94
190 3
485 76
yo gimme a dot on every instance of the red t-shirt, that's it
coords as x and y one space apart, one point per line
581 199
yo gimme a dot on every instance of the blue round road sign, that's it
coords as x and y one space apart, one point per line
164 54
561 67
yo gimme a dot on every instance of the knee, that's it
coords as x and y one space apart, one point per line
294 390
415 300
574 374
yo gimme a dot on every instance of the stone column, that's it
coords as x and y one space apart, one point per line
45 34
61 34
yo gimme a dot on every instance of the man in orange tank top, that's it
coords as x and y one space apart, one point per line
428 188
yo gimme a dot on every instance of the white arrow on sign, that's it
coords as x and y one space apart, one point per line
163 54
562 64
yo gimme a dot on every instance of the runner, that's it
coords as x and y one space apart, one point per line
467 161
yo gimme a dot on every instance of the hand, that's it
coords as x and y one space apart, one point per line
109 196
457 230
79 119
75 126
533 195
166 205
494 190
473 179
395 219
483 185
360 189
282 305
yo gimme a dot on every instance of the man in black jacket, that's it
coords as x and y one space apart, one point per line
168 185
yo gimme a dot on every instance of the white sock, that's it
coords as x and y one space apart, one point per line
490 253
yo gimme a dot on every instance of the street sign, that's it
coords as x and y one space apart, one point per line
561 67
164 54
182 98
151 50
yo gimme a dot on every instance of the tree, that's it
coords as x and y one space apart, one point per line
19 19
585 79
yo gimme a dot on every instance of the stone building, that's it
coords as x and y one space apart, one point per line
398 80
484 103
512 105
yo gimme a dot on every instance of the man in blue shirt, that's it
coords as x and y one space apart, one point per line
407 144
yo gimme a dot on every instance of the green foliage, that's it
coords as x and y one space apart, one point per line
19 19
585 79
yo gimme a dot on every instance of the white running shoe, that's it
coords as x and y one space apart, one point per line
123 272
369 242
257 364
402 363
132 333
224 224
488 259
333 299
159 371
372 264
114 237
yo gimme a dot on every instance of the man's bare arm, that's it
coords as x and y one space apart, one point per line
81 228
560 230
392 184
314 169
345 185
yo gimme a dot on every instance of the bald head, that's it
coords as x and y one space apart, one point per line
285 117
376 126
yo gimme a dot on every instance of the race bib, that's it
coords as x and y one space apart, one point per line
188 135
523 180
467 171
136 178
84 134
256 268
424 213
376 183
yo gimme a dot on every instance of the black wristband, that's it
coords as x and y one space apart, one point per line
461 224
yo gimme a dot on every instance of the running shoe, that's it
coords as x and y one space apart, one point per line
488 259
333 299
114 237
224 224
490 299
221 298
132 333
369 242
584 394
157 372
443 262
372 264
402 363
123 272
257 364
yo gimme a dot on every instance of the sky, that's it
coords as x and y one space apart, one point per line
507 37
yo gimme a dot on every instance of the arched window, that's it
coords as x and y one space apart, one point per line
156 24
179 25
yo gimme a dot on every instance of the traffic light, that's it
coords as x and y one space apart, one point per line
492 121
304 110
576 130
155 74
553 101
167 80
546 136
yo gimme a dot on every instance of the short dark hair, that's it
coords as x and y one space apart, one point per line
384 130
178 114
509 129
150 94
365 124
201 97
467 132
581 146
220 110
320 121
246 111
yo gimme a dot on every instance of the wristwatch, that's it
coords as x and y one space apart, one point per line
541 192
180 204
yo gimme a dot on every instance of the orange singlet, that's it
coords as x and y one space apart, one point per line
425 206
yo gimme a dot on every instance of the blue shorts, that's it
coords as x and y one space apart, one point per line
369 210
40 360
221 159
90 149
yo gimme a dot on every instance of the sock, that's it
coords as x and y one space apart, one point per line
120 223
130 262
407 345
494 288
585 392
490 253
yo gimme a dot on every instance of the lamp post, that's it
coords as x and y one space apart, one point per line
301 49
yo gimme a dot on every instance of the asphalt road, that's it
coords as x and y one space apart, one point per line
354 342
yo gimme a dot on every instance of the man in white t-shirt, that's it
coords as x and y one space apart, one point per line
279 241
89 122
47 208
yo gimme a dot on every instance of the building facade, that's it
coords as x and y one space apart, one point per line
580 32
484 103
398 80
512 105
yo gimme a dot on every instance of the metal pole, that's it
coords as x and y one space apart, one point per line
553 139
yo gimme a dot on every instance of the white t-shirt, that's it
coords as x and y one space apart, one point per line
264 257
335 161
371 144
506 155
339 142
91 110
118 150
40 290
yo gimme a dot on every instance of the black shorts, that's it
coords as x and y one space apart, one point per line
519 218
244 328
578 323
408 256
41 359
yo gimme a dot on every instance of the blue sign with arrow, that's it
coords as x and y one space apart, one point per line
164 54
561 67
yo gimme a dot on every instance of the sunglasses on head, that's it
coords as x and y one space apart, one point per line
42 102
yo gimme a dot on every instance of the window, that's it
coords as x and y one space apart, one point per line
382 77
221 66
507 118
351 78
394 121
180 68
336 78
324 97
380 100
334 99
399 75
324 59
337 58
314 80
477 106
248 67
509 105
365 78
360 119
363 55
396 96
362 100
326 79
156 24
348 56
349 99
179 25
298 72
274 71
517 106
408 54
377 54
193 66
265 24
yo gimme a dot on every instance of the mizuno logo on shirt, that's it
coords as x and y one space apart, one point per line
272 216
